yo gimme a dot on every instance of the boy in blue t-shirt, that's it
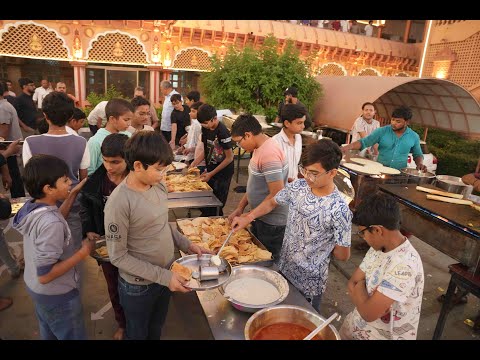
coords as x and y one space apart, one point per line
318 224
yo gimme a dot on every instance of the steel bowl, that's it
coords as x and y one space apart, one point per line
258 272
452 184
418 177
289 314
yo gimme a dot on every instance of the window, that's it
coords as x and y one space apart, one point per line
184 81
124 78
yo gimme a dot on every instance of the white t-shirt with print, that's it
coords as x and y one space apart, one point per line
397 274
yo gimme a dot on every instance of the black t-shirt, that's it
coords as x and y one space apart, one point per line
182 119
308 121
26 109
215 142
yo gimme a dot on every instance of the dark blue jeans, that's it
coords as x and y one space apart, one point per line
145 308
269 235
61 321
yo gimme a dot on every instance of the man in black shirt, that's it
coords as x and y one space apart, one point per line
180 119
291 97
26 108
218 155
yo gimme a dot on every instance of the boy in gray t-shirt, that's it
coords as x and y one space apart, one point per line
140 241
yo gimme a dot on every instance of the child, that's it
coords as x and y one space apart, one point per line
51 274
140 241
141 115
218 155
194 134
76 121
119 113
318 224
388 281
180 119
289 138
267 175
94 195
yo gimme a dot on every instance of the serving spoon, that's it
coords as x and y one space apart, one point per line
321 327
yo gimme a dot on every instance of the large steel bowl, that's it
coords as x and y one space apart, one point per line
289 314
258 272
451 184
418 177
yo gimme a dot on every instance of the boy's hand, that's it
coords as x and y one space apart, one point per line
93 236
205 177
177 283
78 187
199 250
87 247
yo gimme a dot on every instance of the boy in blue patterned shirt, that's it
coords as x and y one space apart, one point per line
319 221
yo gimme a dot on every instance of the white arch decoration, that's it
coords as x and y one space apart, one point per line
333 63
18 23
403 73
370 68
188 48
90 44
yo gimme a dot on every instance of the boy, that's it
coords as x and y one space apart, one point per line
141 115
180 119
293 118
388 281
192 97
76 121
318 224
94 195
72 149
119 113
194 134
218 155
51 273
140 241
267 175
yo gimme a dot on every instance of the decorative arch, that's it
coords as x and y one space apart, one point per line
34 40
117 47
332 69
402 74
369 72
192 58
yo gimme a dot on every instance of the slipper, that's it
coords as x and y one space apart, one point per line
5 303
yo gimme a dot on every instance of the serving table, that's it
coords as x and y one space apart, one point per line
195 203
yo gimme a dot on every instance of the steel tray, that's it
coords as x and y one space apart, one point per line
254 240
99 244
193 262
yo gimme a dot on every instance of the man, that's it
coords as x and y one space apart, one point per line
41 92
267 175
369 28
61 87
97 117
10 88
153 118
395 142
291 97
364 125
26 108
10 131
167 91
289 138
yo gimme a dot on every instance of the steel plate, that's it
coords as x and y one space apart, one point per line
193 262
99 244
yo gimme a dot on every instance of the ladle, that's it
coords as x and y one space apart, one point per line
321 327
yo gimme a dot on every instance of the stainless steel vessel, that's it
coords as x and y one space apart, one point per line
418 177
288 314
452 184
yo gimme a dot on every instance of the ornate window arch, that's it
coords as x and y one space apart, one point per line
116 47
369 72
33 40
332 68
402 74
192 58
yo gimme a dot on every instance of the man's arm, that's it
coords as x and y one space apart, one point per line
154 116
418 155
240 208
174 134
265 207
341 252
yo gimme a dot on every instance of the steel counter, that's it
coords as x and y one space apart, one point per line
195 202
228 323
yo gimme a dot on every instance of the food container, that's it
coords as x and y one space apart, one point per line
289 314
451 184
418 177
257 272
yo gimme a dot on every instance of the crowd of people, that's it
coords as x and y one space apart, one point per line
113 186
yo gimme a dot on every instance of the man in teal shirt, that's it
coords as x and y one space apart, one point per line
395 142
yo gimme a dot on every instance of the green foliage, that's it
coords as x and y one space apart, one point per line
94 98
254 80
456 155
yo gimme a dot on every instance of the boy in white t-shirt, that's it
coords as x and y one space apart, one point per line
388 281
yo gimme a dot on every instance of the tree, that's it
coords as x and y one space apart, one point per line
254 80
